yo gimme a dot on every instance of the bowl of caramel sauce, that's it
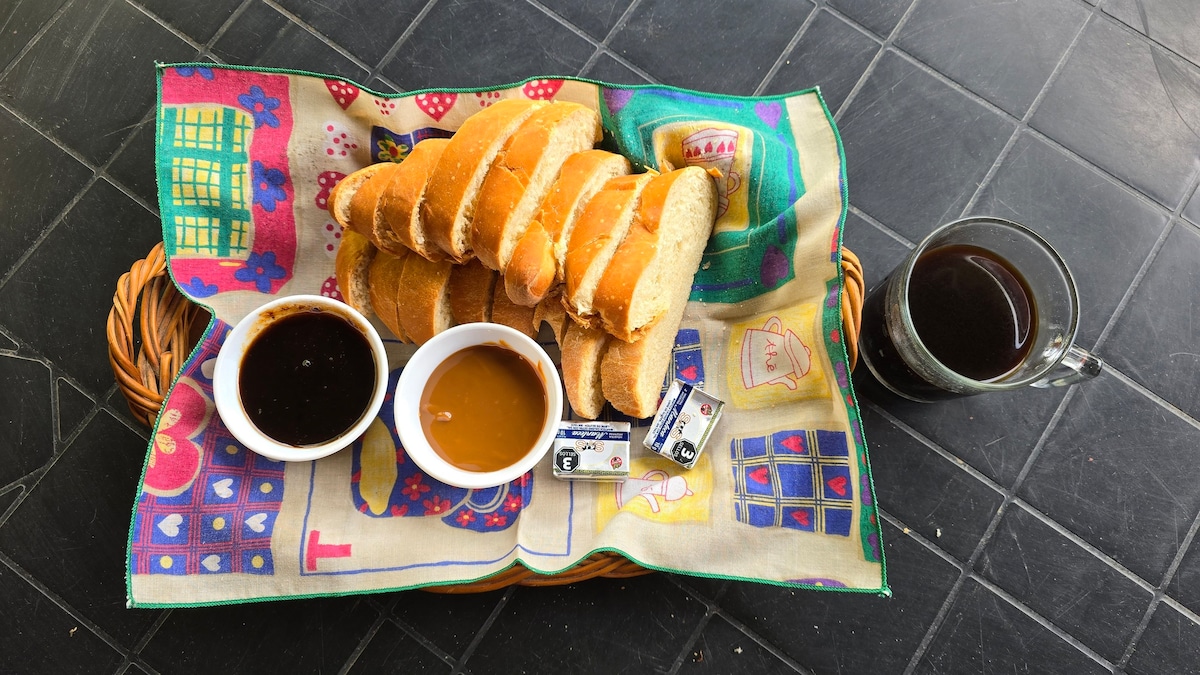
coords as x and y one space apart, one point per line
478 405
300 378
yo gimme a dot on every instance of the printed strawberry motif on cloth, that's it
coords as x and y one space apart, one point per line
246 161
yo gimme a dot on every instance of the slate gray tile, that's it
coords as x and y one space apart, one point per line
6 343
22 19
725 650
478 43
715 46
449 621
926 491
133 166
1133 114
76 269
608 69
199 20
1058 579
983 633
73 407
595 18
878 252
1103 232
851 632
643 621
7 499
91 76
1171 644
364 27
880 16
261 36
26 424
292 636
1192 212
47 181
1003 51
831 54
37 636
916 149
70 532
1185 585
1110 472
391 650
1171 23
1155 339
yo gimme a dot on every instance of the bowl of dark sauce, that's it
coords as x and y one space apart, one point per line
300 378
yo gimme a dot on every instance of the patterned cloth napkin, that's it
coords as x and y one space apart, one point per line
782 493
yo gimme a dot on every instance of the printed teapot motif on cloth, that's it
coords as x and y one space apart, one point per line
246 160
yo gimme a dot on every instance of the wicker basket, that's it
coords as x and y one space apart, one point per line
152 329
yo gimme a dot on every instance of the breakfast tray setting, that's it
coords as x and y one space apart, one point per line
246 160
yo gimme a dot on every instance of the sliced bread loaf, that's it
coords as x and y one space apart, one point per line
659 255
531 274
471 288
508 313
384 275
400 204
583 351
352 268
522 174
550 311
454 184
597 234
365 214
424 303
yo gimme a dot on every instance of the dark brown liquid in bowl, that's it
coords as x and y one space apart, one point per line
483 408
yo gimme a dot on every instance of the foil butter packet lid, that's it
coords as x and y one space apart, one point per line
684 421
597 451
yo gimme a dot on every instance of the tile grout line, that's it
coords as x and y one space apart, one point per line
1163 403
150 633
383 614
484 628
759 640
36 37
892 234
617 27
398 43
870 70
1160 592
787 50
985 538
421 639
165 25
690 641
321 37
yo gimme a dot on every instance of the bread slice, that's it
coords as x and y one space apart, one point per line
597 234
632 373
366 212
550 311
343 193
583 351
400 205
424 303
661 252
508 313
454 184
530 274
522 174
352 265
471 288
384 276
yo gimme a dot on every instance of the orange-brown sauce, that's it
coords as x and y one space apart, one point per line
483 408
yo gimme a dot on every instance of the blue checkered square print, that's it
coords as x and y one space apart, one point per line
797 479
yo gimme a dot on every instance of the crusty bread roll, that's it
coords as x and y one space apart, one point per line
384 276
599 231
583 351
471 288
522 174
341 195
530 274
424 301
550 311
660 253
454 184
365 213
400 204
508 313
352 265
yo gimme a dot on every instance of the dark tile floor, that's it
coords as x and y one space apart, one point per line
1044 531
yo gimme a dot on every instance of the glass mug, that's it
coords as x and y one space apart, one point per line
981 305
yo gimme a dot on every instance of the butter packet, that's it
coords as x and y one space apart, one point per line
597 451
684 421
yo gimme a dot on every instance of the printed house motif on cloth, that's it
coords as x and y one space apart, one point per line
797 479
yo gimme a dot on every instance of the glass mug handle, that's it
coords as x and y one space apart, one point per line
1078 365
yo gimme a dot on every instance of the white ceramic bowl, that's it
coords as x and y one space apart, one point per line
227 395
416 374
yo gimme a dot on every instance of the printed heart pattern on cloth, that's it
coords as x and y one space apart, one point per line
343 93
761 475
803 517
170 525
487 98
838 485
541 90
212 563
255 522
435 105
222 488
325 181
338 141
690 373
385 107
794 443
333 236
329 289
